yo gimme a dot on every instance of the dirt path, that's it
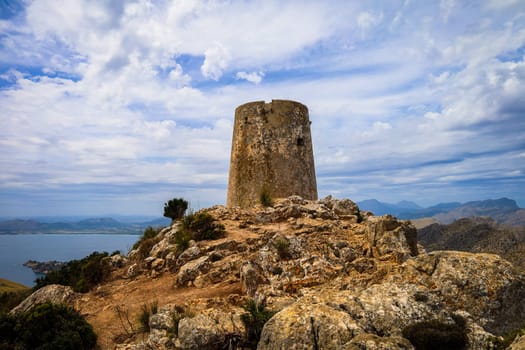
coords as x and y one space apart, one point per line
100 307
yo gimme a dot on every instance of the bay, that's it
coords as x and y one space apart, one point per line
15 250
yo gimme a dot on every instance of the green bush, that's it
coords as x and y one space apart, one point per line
254 321
436 335
175 208
146 311
81 275
202 226
182 239
283 248
9 300
149 233
265 198
46 327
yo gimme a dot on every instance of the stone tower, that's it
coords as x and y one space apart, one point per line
271 152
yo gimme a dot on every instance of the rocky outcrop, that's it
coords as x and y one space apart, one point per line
518 343
336 278
52 293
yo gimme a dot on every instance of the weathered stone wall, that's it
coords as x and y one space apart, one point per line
271 151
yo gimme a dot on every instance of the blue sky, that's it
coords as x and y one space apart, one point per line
114 107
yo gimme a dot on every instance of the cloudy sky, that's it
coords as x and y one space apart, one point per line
114 107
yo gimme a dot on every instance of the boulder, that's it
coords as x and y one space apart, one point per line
518 343
133 271
304 325
117 261
251 277
374 342
210 331
387 235
189 271
484 285
53 293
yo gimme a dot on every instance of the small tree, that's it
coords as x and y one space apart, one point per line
175 208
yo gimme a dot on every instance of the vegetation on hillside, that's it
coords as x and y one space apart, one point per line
146 242
254 320
46 327
81 275
198 227
175 208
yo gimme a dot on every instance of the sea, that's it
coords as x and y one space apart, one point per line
15 250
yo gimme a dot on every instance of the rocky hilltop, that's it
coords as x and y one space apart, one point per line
477 235
325 274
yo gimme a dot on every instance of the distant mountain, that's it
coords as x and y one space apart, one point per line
91 225
382 208
476 235
503 210
498 209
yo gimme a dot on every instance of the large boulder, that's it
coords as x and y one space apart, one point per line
210 330
189 271
387 235
53 293
485 285
305 325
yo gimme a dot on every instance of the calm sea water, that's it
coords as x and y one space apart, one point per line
17 249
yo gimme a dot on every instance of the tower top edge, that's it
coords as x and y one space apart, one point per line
276 102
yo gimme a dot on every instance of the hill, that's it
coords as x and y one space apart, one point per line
503 210
299 274
90 225
10 286
477 235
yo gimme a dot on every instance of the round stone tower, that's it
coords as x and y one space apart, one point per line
271 152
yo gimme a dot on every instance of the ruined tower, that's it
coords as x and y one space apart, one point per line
271 152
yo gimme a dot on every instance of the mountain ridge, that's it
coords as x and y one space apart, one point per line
503 210
88 225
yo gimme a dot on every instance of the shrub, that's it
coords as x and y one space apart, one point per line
265 198
179 314
175 208
436 335
202 226
81 275
9 300
182 239
283 248
149 233
46 327
146 311
254 321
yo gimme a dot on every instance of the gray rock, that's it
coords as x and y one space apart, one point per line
387 235
373 342
133 271
518 343
117 261
210 331
308 326
189 271
189 254
53 293
484 285
251 277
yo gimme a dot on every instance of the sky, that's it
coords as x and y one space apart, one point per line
115 107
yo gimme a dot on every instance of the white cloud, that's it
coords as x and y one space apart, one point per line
446 7
216 59
113 92
367 20
253 77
